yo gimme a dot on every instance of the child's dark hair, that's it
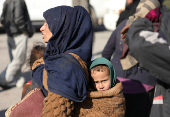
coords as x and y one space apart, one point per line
36 53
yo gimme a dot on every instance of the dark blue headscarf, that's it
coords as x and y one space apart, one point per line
72 32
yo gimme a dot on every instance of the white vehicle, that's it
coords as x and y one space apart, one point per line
37 7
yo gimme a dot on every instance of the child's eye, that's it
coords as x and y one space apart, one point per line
96 82
104 80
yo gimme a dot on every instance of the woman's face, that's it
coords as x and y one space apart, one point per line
47 34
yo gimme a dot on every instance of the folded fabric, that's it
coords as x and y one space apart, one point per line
30 106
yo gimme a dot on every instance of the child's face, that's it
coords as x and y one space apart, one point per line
101 80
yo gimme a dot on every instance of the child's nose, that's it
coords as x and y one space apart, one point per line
100 85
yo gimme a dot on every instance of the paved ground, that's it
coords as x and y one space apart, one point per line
11 96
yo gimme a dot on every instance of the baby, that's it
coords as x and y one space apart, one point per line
103 76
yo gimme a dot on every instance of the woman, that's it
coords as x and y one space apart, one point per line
68 34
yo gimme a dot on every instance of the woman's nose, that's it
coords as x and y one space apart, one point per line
42 28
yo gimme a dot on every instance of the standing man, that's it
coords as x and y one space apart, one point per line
15 19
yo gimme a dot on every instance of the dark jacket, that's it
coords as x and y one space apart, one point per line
14 17
152 50
114 47
129 11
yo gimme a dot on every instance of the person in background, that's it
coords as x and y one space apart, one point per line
130 9
14 19
152 50
138 83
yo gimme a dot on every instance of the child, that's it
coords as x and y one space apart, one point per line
107 100
103 75
36 53
32 99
